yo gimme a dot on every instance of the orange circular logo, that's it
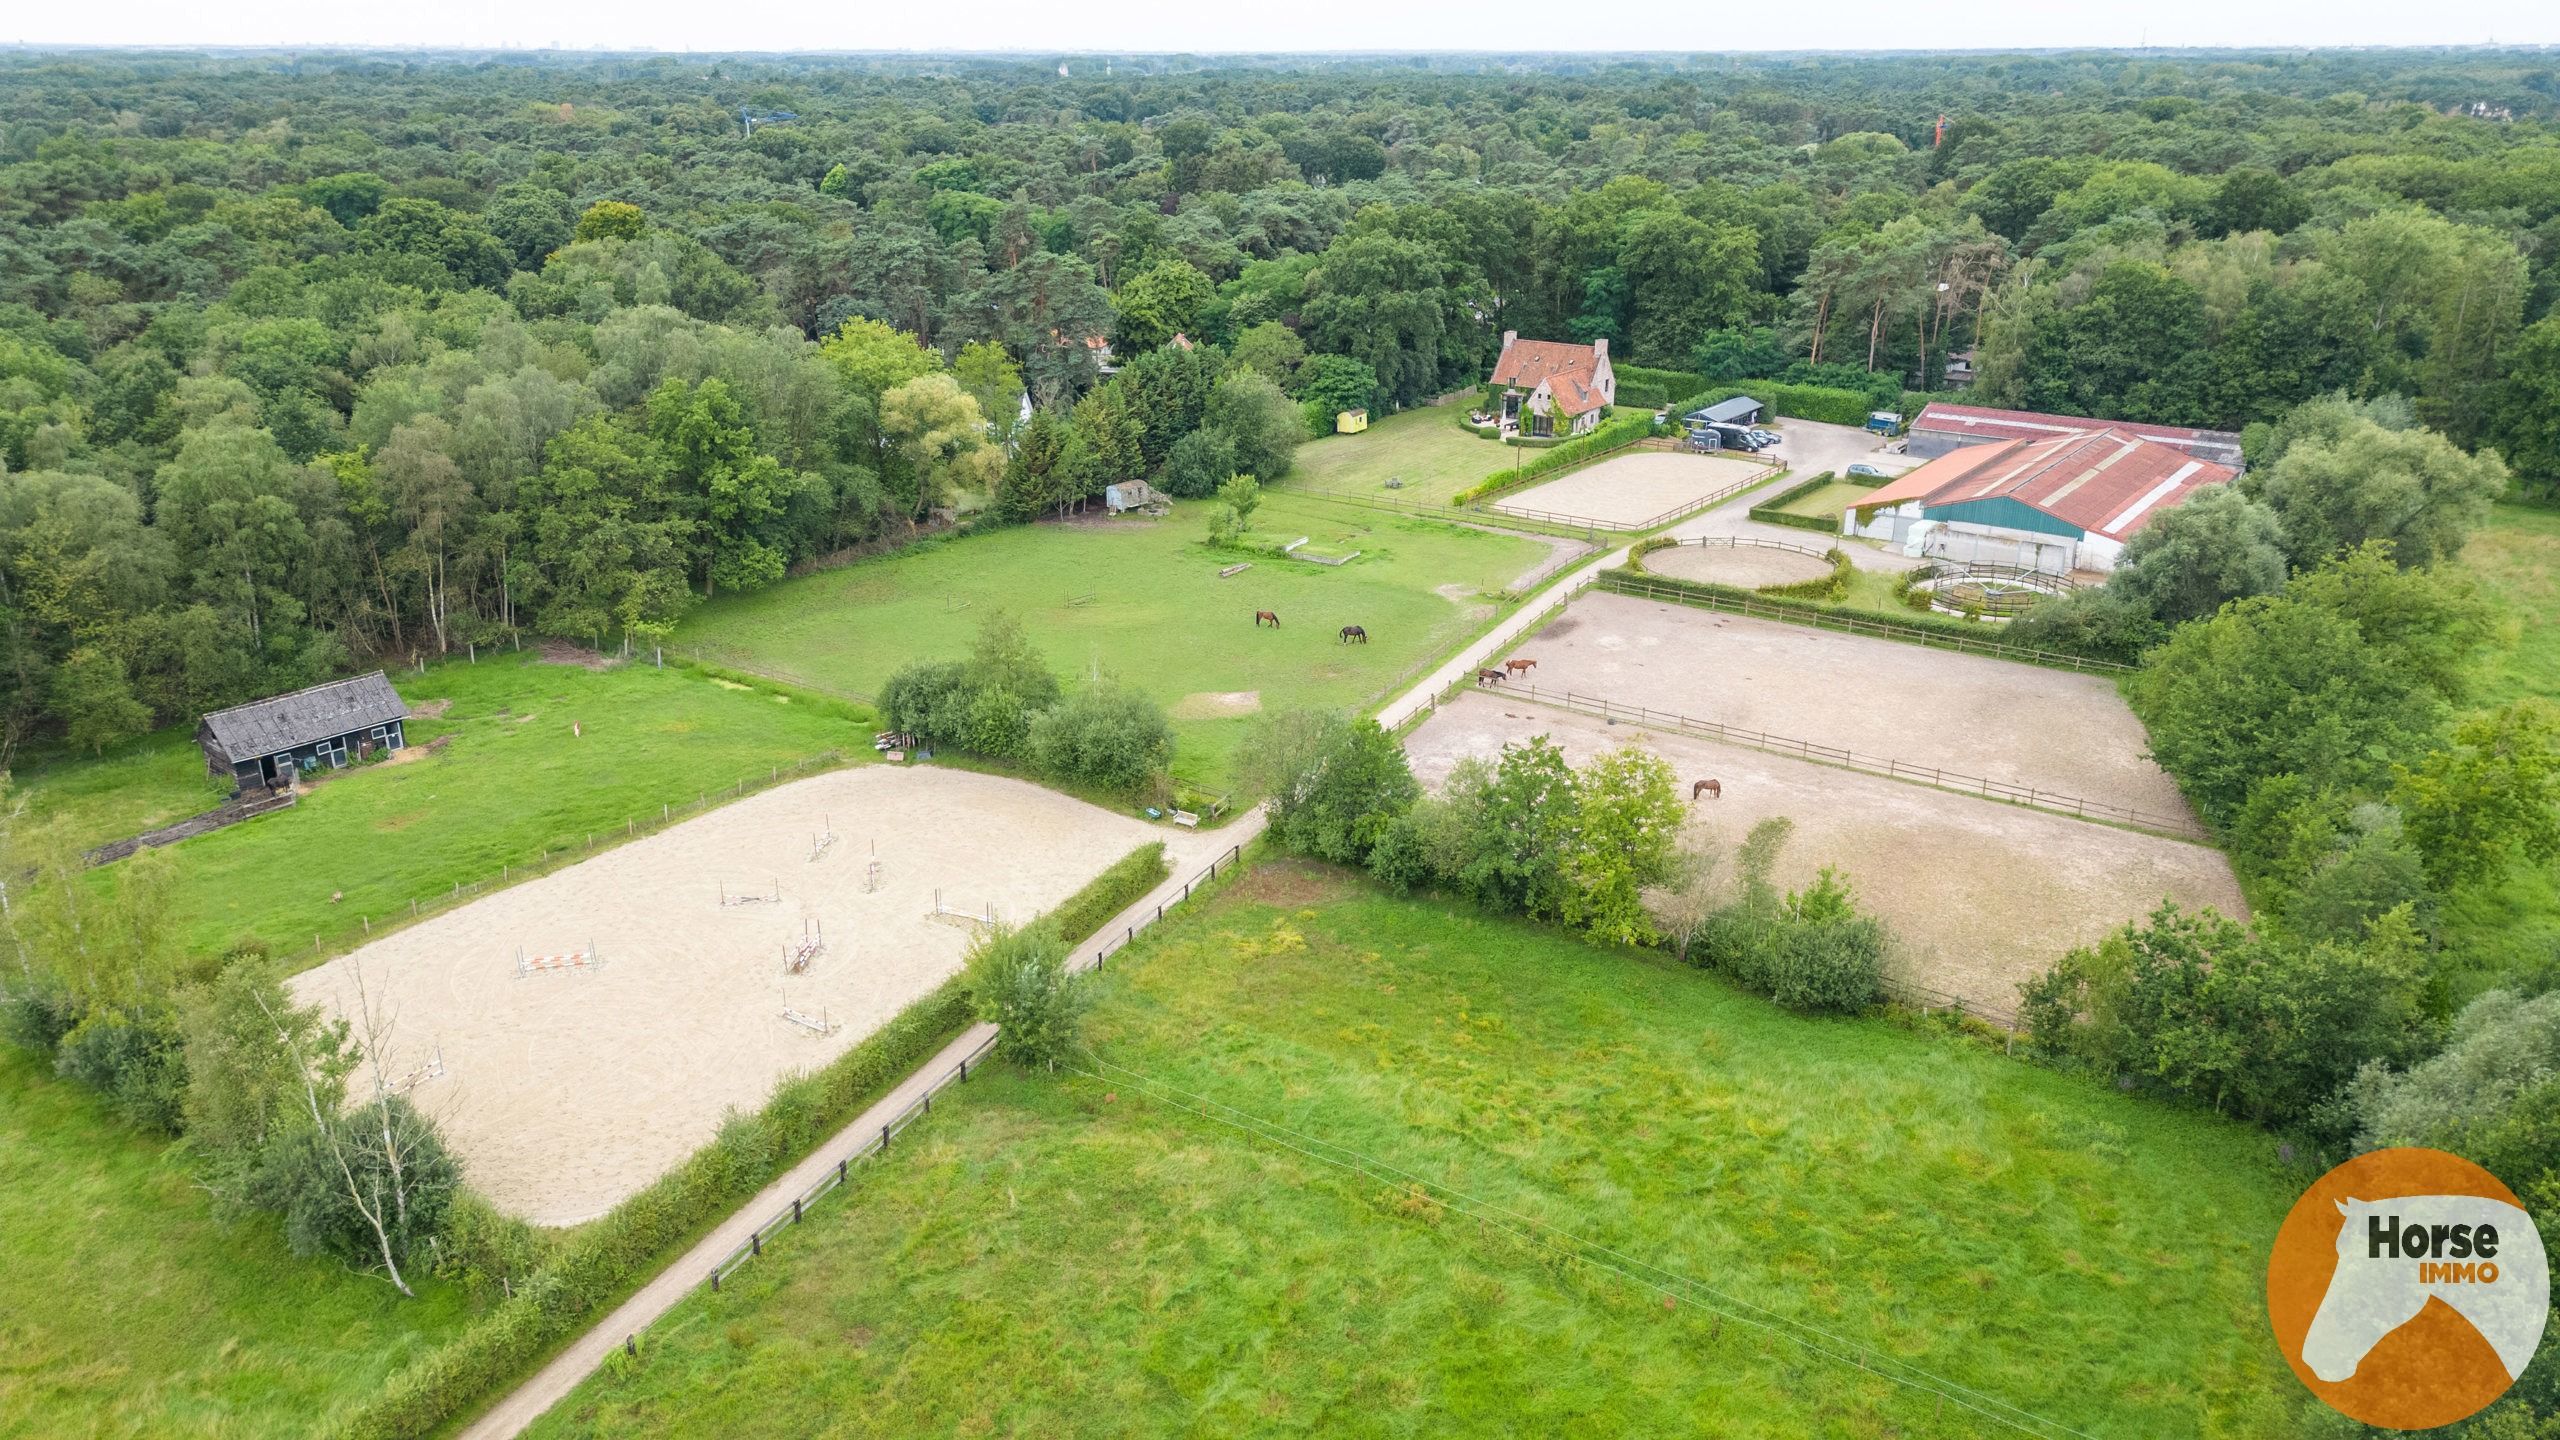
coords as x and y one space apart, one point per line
2408 1288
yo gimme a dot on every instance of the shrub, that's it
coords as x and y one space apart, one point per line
307 1173
1335 783
1832 587
2492 1095
1201 461
1107 735
135 1057
1107 894
1019 981
1824 954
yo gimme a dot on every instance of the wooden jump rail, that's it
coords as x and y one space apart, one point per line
1935 777
1620 582
874 1145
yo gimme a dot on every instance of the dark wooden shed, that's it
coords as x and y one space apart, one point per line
267 742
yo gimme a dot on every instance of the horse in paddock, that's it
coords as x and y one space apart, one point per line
1712 789
1354 632
1519 667
1490 677
1261 615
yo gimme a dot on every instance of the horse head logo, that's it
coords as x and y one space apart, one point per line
2480 1256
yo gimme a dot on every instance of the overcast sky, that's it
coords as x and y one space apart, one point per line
1294 25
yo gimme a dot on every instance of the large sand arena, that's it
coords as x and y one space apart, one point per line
1635 488
1980 895
2017 724
566 1092
1749 566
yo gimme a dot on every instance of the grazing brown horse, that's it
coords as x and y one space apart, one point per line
1490 677
1519 667
1712 789
1261 615
1354 632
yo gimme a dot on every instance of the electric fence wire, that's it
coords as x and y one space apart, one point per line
1534 1231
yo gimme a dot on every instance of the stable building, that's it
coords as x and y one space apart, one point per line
1941 429
2062 503
1550 387
268 742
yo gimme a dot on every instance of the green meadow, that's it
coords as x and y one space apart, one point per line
1110 1255
1143 600
128 1309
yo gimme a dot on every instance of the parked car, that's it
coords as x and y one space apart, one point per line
1765 437
1866 470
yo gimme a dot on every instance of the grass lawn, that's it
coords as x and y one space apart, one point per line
2516 558
1072 1257
1158 615
1426 448
127 1309
509 783
134 787
1827 502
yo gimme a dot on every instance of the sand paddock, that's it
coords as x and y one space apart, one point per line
1979 895
1630 489
565 1092
1748 566
2017 724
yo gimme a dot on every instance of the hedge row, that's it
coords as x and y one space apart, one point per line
599 1267
1834 586
1608 435
1669 382
1768 513
1916 626
1111 892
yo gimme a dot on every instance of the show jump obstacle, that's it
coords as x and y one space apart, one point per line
952 915
579 961
772 897
823 841
817 1024
871 872
796 954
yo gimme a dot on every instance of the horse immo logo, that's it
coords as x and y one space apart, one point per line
2408 1289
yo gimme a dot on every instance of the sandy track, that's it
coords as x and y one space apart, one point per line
1980 895
1749 566
2017 724
1626 489
566 1092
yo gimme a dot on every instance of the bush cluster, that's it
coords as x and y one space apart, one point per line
1004 702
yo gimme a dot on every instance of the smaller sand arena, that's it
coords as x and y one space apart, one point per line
565 1091
1980 895
1639 487
1747 566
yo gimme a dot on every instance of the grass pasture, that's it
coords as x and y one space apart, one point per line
1425 448
1143 600
1827 502
494 778
1079 1257
136 786
2516 558
127 1309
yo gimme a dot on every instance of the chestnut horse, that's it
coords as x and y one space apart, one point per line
1712 789
1261 615
1519 667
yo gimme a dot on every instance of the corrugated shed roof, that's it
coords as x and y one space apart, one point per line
1727 411
265 727
2218 446
1526 362
2107 482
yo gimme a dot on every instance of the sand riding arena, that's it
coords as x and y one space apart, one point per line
1635 490
578 1035
1724 561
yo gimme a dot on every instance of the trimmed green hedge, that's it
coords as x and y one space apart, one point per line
1608 435
1768 513
1669 382
1833 587
1917 627
646 1231
1110 892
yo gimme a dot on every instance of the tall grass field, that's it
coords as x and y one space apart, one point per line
1112 1255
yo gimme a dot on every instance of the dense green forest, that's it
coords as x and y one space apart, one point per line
311 360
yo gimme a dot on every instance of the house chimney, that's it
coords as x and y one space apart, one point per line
1600 347
1508 336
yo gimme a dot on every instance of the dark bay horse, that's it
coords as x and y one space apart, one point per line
1354 632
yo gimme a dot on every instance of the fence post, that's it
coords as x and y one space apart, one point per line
755 1238
795 1209
715 1282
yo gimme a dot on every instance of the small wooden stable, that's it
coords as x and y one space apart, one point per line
1350 422
1136 495
264 744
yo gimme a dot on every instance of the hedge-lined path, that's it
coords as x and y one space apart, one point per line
510 1416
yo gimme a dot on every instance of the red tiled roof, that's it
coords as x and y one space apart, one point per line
1526 362
2107 482
1572 396
2028 425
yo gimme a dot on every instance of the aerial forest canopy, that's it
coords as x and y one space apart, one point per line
307 361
